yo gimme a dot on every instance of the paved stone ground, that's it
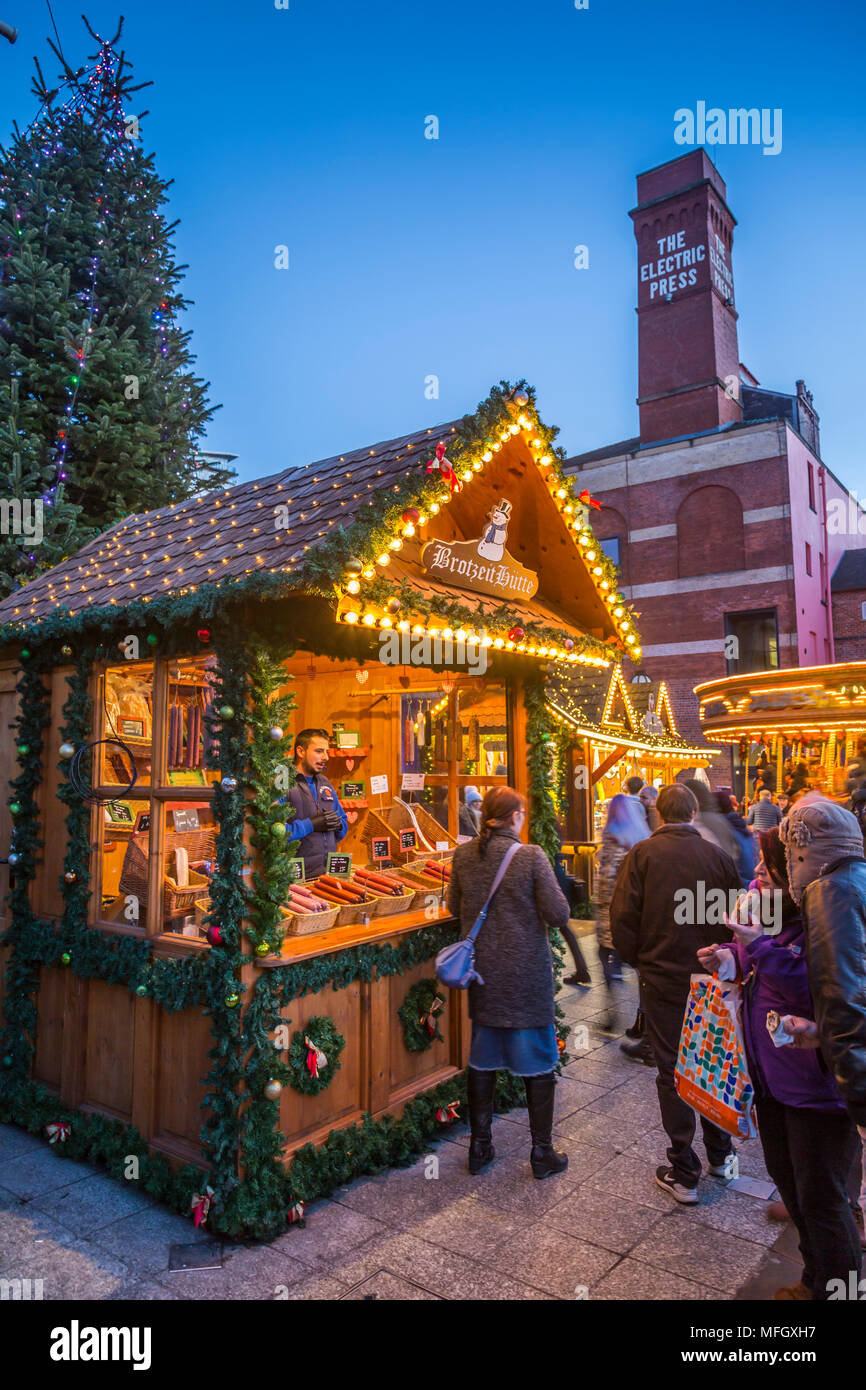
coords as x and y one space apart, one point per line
602 1230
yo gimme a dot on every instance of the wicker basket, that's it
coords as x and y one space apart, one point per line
352 913
202 909
305 923
199 844
387 906
390 820
414 875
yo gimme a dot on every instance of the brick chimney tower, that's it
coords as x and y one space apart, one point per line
688 377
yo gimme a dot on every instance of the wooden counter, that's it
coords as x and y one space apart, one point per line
297 948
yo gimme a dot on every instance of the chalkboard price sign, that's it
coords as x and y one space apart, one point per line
296 870
185 820
408 841
340 865
352 790
381 849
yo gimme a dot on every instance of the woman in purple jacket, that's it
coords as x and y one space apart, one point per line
808 1139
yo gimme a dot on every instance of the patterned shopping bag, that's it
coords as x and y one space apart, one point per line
711 1073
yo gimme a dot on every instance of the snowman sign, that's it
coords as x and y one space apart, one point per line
651 723
492 543
483 564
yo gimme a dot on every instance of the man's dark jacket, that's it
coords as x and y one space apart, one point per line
834 911
643 906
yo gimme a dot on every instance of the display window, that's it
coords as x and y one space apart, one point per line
155 840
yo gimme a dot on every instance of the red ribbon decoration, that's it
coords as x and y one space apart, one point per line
315 1059
200 1205
296 1213
446 1115
588 501
446 468
58 1131
429 1020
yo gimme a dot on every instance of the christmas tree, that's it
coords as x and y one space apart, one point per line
100 413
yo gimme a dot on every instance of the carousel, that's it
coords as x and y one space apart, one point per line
789 730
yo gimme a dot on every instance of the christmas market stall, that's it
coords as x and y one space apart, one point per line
202 970
790 730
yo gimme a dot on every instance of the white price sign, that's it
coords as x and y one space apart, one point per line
412 782
441 845
379 785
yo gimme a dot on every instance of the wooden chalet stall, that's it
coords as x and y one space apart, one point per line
611 729
157 973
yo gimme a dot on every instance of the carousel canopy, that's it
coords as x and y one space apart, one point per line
601 706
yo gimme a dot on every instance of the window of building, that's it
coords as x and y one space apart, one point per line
808 558
751 641
611 548
811 487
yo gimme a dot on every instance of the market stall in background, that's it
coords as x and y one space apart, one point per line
610 728
802 728
175 968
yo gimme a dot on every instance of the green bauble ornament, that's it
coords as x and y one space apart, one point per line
232 1001
66 958
226 712
7 1062
263 949
278 829
24 653
15 807
23 749
151 639
141 991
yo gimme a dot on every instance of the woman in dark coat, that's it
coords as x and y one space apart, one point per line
809 1141
512 1012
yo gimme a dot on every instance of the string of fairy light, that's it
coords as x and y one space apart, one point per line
45 135
118 564
353 610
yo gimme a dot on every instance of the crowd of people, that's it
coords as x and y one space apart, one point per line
807 967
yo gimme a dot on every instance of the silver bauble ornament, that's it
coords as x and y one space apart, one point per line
273 1090
276 733
67 750
229 784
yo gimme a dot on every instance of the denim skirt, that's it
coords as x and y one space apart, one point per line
522 1051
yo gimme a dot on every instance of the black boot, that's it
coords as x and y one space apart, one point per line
480 1087
544 1160
638 1028
640 1051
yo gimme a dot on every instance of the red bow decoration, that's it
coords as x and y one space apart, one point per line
446 1115
588 501
200 1205
315 1058
296 1213
446 468
429 1020
58 1131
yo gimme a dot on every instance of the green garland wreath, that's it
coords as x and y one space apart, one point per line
413 1012
324 1035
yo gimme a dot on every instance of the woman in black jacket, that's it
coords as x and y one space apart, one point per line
512 1012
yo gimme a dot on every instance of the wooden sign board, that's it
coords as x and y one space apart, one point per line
340 865
483 565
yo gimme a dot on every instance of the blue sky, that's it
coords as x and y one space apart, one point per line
454 257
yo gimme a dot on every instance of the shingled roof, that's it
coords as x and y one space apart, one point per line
223 534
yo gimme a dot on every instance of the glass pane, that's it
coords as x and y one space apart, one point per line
190 832
127 717
122 899
190 739
483 719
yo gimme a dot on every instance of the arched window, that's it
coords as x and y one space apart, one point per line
710 532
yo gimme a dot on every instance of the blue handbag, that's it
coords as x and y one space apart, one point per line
455 964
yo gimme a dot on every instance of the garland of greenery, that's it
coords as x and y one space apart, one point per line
270 770
323 1034
414 1012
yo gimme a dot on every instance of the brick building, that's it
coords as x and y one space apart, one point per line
717 511
848 596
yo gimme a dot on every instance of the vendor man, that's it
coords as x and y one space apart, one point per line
320 820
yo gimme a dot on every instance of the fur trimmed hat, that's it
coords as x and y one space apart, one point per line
815 834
